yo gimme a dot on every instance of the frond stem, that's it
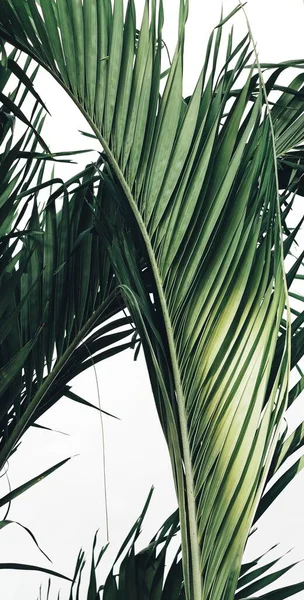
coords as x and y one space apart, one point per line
196 592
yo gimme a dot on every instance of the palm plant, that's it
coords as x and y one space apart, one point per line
191 215
34 301
36 240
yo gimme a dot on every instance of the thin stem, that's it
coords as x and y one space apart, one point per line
103 447
194 543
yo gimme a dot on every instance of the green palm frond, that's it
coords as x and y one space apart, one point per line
137 574
56 283
146 574
60 297
198 201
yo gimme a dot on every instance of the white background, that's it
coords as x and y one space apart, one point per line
65 510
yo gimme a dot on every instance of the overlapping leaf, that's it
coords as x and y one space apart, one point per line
62 290
141 573
56 282
197 191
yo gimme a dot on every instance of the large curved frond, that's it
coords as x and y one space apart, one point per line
197 194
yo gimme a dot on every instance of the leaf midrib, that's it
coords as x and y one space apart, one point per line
193 534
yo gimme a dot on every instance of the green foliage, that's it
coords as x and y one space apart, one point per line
31 293
191 214
56 282
146 574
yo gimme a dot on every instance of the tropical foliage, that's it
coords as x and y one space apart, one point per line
46 264
183 221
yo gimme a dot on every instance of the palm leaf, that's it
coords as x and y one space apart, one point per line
56 281
35 279
140 574
197 194
26 567
64 293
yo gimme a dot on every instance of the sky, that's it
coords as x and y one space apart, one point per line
65 510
